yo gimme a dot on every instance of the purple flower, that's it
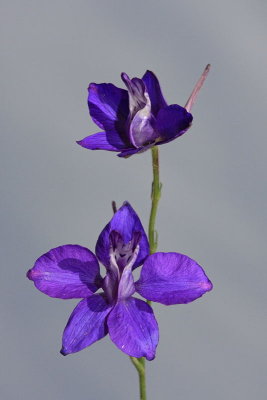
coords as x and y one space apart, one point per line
72 271
138 118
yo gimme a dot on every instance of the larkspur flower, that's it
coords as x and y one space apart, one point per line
136 119
72 271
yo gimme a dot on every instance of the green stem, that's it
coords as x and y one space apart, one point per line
155 197
139 363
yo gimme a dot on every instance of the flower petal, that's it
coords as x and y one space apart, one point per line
86 325
66 272
136 90
130 152
102 141
126 284
142 122
133 328
143 128
109 109
126 222
154 92
172 121
172 278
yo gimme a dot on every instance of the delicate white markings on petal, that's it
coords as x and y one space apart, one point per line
126 285
113 267
122 252
136 89
141 121
119 280
111 280
142 129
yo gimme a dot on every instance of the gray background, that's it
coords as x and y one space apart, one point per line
213 206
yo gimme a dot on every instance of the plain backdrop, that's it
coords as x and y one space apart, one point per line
213 205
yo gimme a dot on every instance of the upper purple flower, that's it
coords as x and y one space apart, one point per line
72 271
138 118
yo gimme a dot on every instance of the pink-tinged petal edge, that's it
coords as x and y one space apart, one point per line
66 272
172 278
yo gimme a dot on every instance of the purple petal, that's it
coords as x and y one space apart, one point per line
142 122
130 152
133 328
126 222
66 272
126 285
143 128
102 141
110 285
86 325
154 92
173 121
109 109
172 278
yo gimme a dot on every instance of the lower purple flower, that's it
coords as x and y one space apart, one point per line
72 271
